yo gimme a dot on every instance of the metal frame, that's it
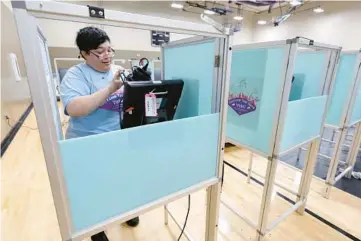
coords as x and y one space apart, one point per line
343 128
219 104
53 89
168 212
25 13
27 31
77 13
56 66
291 45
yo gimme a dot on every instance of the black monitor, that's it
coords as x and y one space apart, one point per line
167 92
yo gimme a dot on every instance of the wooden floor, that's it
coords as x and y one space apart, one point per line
341 209
28 211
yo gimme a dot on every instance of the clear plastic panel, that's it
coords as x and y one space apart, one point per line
341 90
303 121
256 78
356 113
115 172
309 73
194 64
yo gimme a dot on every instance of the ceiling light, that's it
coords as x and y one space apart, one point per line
210 12
318 10
239 18
295 3
177 5
262 22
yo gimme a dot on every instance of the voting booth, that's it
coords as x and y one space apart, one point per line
344 114
276 104
89 176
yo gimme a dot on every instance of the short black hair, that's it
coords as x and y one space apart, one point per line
89 38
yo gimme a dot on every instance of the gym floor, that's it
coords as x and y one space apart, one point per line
352 186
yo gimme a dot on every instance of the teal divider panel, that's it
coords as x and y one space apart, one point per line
341 90
356 113
194 63
309 71
115 172
256 78
303 121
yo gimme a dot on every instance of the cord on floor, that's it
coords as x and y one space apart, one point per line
8 121
185 221
24 126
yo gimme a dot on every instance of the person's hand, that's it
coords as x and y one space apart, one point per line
116 83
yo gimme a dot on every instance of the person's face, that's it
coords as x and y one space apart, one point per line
101 58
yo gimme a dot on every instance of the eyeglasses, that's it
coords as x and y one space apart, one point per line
110 52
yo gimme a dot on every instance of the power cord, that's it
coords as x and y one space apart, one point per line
185 221
24 126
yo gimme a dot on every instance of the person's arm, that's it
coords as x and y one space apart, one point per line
84 105
78 102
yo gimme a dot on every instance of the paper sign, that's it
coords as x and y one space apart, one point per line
150 105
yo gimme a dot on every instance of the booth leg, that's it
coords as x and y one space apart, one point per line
306 179
213 200
250 167
330 179
266 197
222 174
333 135
299 154
354 149
165 215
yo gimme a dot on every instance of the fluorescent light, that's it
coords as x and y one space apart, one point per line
318 10
262 22
239 18
210 12
177 5
295 3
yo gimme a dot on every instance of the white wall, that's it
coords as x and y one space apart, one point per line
15 95
63 34
340 25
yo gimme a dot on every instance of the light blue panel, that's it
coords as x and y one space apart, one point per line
111 173
195 65
356 113
308 75
256 77
303 121
342 88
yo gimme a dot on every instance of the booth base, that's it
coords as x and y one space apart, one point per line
337 212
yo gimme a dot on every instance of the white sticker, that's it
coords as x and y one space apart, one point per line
150 105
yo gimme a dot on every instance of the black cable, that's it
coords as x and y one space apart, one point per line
24 126
21 122
185 221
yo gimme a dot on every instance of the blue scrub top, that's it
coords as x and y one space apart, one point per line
82 80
